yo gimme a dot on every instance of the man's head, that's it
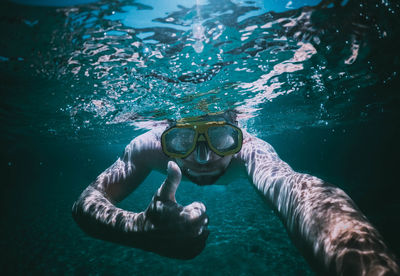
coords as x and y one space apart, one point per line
203 146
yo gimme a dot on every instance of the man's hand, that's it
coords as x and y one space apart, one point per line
181 231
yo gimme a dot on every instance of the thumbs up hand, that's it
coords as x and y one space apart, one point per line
179 231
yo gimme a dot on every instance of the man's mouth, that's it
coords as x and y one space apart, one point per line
204 173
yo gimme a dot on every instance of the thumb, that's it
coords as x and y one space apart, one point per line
168 188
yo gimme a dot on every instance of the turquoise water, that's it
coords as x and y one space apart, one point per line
317 80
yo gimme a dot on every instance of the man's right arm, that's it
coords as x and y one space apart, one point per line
95 212
165 227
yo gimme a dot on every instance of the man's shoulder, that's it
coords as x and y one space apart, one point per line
154 130
251 143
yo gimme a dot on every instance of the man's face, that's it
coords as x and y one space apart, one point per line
203 166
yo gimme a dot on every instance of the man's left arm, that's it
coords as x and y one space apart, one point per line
322 220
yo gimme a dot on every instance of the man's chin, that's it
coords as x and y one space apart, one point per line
203 179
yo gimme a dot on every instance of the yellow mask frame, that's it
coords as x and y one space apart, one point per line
201 135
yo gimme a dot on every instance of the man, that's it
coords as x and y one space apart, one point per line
323 222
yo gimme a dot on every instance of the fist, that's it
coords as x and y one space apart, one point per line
181 231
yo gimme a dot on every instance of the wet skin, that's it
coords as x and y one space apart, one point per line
203 166
322 220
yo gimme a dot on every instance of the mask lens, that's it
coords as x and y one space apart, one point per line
179 140
223 138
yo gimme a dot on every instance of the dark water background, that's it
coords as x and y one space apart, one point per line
61 126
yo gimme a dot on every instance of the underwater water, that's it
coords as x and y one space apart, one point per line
318 80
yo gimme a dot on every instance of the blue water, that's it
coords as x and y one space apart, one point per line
317 80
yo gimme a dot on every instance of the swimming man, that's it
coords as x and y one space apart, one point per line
322 220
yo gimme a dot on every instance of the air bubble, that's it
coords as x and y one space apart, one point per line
198 46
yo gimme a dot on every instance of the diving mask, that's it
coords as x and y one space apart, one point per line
180 140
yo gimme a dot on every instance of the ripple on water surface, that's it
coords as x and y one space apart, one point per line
126 62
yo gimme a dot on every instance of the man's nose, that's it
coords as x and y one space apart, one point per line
202 155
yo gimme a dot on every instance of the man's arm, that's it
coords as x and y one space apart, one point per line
165 227
322 220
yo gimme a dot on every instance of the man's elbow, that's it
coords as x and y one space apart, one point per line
78 214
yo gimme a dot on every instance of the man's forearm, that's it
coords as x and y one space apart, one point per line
98 217
329 229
